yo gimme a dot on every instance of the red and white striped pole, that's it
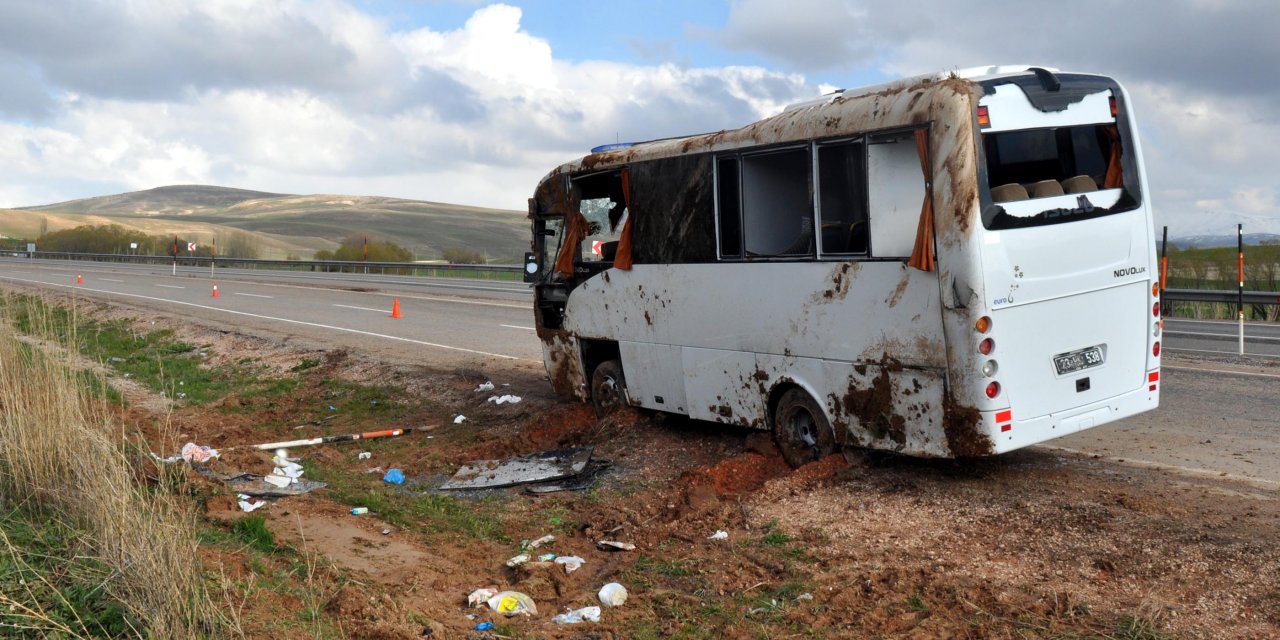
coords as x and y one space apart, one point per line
1240 291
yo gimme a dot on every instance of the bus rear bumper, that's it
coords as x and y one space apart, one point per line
1012 433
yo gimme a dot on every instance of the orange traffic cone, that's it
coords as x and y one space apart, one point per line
79 279
215 290
395 308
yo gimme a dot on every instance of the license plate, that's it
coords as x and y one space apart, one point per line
1074 361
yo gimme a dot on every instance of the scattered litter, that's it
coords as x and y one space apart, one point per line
513 603
246 505
332 408
534 544
505 399
192 452
359 511
613 545
181 395
578 615
570 563
518 560
346 437
613 594
719 535
115 359
364 455
472 616
276 480
480 596
484 626
394 476
256 485
460 419
804 597
534 467
373 470
386 532
546 557
484 386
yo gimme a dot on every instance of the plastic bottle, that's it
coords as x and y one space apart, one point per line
359 511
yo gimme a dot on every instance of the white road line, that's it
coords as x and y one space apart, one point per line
512 326
347 306
110 280
253 295
1227 353
287 320
1193 471
1247 337
169 286
1237 373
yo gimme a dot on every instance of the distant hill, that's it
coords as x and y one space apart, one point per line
1199 242
285 224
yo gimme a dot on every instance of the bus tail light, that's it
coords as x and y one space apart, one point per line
984 116
993 389
1155 309
1113 107
989 368
1155 349
983 324
986 346
1152 378
1155 289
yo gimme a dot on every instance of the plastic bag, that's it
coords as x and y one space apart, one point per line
578 615
513 603
613 594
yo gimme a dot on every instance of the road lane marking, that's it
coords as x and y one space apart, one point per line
1228 353
110 280
1191 471
286 320
512 326
170 286
347 306
1247 337
253 295
1238 373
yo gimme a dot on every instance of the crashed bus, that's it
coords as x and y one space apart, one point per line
942 266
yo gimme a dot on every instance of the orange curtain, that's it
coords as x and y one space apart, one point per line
622 259
922 256
1115 174
575 231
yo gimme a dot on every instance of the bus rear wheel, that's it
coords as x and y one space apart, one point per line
608 388
801 429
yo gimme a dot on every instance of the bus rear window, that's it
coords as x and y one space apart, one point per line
1052 175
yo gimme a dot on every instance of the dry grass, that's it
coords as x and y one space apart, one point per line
59 456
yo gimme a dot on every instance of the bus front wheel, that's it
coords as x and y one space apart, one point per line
608 388
801 429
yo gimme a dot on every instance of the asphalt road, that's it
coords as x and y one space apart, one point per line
1222 337
1218 413
447 323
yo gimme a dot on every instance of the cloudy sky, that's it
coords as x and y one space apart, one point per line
472 102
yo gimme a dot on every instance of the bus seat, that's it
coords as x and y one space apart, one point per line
608 250
1008 192
1079 184
1046 188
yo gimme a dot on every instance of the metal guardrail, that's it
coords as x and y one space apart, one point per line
1211 295
345 266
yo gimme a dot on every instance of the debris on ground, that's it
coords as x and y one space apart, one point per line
570 563
480 596
460 419
518 560
484 386
514 603
534 544
614 545
247 504
364 455
576 616
613 594
534 467
394 476
505 399
359 511
719 535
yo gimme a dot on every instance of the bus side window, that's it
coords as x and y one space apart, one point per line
777 213
729 209
842 198
895 190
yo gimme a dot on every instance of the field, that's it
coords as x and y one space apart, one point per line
283 225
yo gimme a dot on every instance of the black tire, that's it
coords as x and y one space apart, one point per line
801 429
608 388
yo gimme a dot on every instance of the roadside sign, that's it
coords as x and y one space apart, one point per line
31 247
191 246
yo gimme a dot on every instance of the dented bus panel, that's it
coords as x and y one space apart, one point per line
774 277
